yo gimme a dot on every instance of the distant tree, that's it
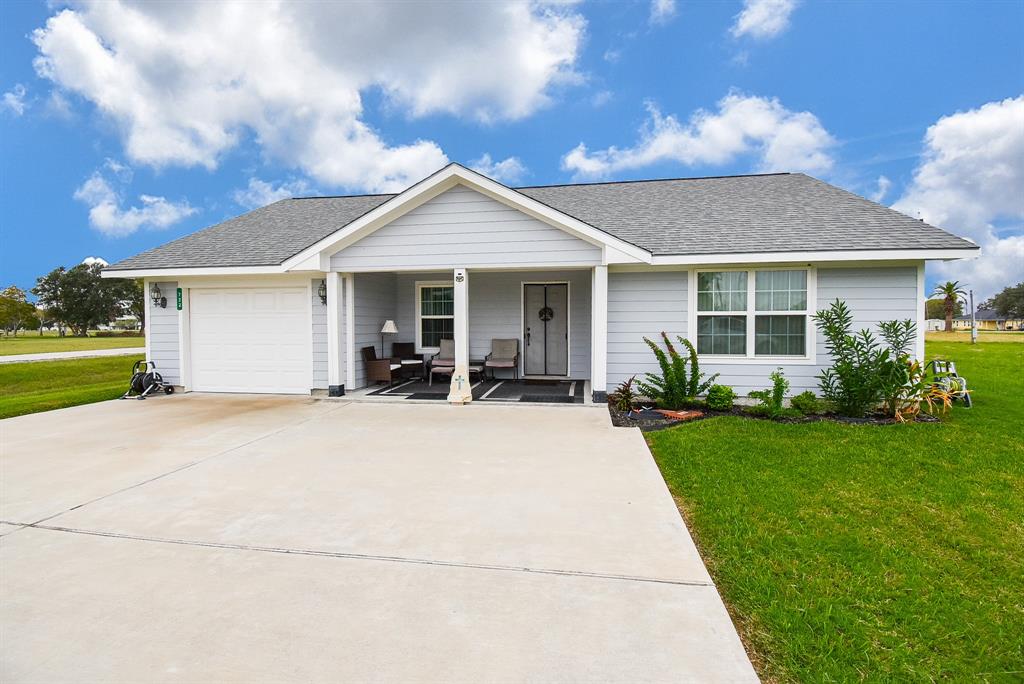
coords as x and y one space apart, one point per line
79 297
950 293
133 299
45 319
936 308
15 309
1009 303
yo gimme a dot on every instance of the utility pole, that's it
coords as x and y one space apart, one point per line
974 323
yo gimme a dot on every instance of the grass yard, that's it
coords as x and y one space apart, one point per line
882 553
32 343
46 385
983 336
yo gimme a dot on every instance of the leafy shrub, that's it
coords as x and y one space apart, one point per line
720 397
853 383
680 379
771 400
806 403
118 333
865 373
624 396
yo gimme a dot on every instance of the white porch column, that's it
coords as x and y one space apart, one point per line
599 334
461 391
350 330
335 316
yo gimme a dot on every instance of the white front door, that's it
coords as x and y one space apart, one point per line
546 328
250 340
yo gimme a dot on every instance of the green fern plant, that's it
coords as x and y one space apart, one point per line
680 380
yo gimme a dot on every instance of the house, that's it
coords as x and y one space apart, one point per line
284 299
988 319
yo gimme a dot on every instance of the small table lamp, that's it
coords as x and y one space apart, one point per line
389 329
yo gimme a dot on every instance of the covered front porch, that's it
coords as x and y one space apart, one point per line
388 334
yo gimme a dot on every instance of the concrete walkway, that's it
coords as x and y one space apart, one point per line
59 356
256 539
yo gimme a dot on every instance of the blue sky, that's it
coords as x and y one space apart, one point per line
123 127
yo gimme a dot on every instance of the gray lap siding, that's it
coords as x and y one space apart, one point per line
646 303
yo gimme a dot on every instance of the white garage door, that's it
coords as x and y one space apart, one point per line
250 340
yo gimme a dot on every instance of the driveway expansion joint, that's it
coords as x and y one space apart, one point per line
369 557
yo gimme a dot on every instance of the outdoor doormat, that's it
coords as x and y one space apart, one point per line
541 392
548 399
436 396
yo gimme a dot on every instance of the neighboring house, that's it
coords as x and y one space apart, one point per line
737 264
988 319
934 325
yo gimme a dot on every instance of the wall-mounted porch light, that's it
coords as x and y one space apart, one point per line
322 291
157 296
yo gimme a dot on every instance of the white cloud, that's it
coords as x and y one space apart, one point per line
881 189
58 106
259 193
601 98
14 100
970 182
508 171
90 260
107 216
763 19
186 82
783 140
662 11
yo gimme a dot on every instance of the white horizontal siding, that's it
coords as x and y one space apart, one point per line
374 303
644 304
319 337
495 310
462 227
162 330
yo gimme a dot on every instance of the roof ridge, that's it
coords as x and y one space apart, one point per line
564 185
656 180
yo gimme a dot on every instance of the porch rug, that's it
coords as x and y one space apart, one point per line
548 399
436 396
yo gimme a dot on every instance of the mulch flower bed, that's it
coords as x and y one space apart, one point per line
648 419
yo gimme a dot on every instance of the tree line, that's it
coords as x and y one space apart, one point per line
72 299
950 298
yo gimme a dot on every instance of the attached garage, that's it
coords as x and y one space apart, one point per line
250 340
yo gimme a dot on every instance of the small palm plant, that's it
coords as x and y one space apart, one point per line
951 293
680 381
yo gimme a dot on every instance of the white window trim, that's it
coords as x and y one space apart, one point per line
420 284
808 358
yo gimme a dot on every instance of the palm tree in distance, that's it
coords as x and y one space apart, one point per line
951 292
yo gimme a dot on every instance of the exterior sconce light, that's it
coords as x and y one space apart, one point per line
158 297
322 291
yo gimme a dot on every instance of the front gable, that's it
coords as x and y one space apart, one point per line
463 227
490 197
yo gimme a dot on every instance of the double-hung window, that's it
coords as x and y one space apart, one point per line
752 313
435 314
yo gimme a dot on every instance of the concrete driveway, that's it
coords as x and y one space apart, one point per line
238 538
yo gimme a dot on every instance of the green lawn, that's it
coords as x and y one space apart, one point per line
46 385
32 343
882 553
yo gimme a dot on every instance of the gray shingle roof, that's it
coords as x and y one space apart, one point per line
725 215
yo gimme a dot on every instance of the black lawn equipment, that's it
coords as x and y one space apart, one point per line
145 381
